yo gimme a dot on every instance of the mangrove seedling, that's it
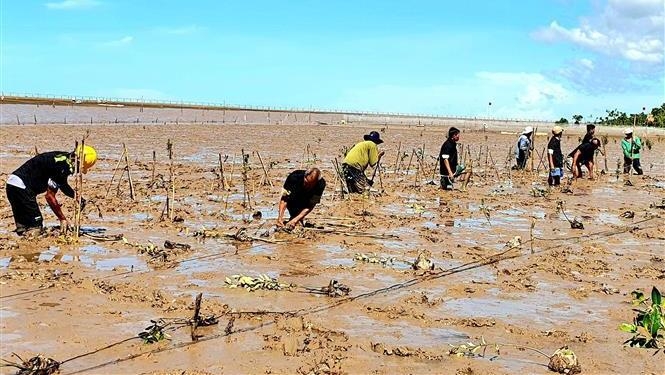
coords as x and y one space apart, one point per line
574 224
648 325
154 333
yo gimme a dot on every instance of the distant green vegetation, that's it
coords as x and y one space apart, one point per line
655 118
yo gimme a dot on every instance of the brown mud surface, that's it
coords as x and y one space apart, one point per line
566 286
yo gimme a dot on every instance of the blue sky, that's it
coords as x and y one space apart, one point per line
539 59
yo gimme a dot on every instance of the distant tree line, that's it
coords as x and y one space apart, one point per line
655 118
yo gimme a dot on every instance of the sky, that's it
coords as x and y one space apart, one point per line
536 59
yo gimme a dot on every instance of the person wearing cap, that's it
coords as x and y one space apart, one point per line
584 156
301 192
358 158
555 157
524 146
449 168
631 146
44 173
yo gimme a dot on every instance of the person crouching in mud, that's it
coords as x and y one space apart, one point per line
584 156
358 158
302 191
44 173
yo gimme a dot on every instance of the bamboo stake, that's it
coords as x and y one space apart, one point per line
129 172
533 145
498 178
115 170
154 160
233 168
79 191
398 158
222 180
408 167
265 172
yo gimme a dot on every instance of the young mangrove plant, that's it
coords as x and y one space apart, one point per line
648 325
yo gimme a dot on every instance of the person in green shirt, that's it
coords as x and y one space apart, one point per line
631 146
358 158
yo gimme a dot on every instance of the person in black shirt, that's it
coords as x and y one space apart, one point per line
449 168
584 156
590 132
301 193
44 173
555 157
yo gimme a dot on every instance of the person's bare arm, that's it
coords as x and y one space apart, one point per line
280 215
446 163
298 219
56 208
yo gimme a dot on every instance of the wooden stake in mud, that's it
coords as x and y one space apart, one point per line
604 140
79 189
171 187
398 158
265 172
196 317
222 180
408 166
533 145
129 172
247 204
115 170
340 176
154 161
233 169
496 171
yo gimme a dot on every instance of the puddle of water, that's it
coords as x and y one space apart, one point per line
127 262
142 216
94 249
607 218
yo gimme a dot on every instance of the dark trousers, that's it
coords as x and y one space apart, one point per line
522 157
636 166
356 181
25 208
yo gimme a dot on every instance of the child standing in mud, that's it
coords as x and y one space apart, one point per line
555 157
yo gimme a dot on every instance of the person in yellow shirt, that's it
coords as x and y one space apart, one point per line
363 154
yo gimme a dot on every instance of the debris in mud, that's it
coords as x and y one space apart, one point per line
515 243
37 365
422 263
257 215
336 289
373 258
576 224
658 205
175 245
564 361
628 215
239 235
608 289
539 192
154 332
264 282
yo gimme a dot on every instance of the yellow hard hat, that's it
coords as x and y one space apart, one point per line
89 157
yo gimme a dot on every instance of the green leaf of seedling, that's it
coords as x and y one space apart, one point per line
656 297
638 296
628 327
655 323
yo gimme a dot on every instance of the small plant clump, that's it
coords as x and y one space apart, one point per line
154 333
648 325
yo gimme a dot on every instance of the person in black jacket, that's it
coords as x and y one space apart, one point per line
44 173
555 157
302 191
584 156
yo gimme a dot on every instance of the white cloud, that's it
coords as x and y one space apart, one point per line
532 90
630 29
119 42
181 30
73 4
586 63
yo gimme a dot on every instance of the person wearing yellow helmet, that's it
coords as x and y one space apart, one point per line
44 173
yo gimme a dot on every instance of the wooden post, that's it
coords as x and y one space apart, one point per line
265 172
79 189
398 159
129 172
154 160
222 179
410 160
115 170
